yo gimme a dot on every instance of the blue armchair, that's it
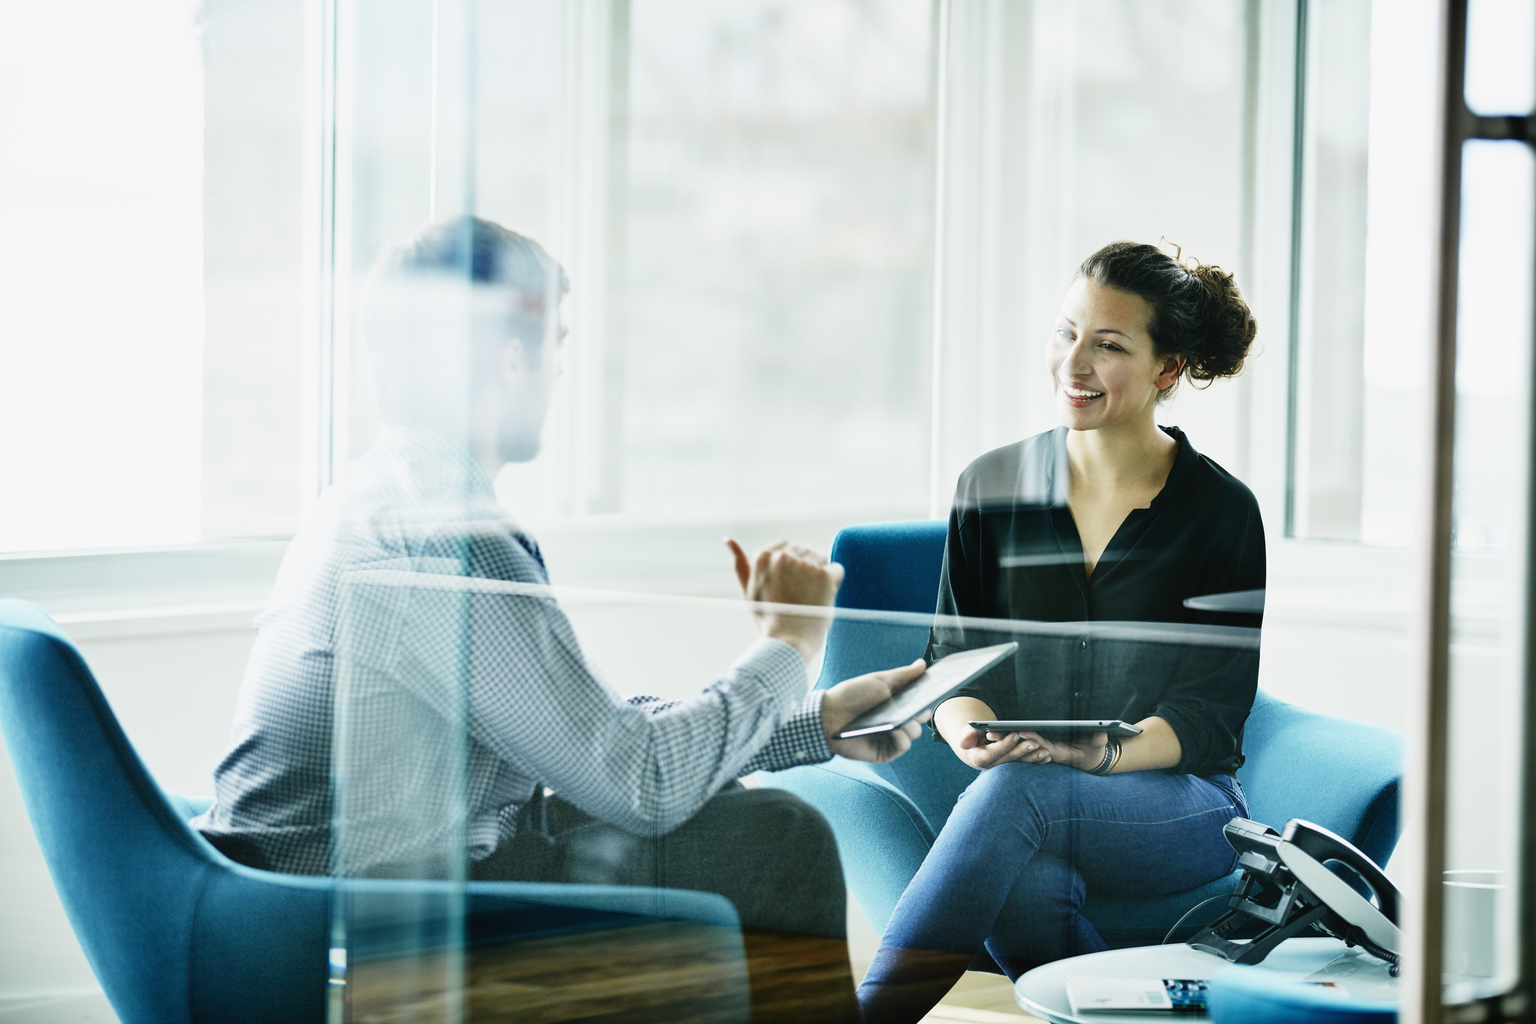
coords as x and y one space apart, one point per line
179 934
1340 774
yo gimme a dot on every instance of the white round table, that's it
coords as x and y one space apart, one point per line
1043 991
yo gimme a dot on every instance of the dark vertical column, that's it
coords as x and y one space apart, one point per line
1428 993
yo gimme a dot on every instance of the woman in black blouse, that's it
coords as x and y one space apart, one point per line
1097 533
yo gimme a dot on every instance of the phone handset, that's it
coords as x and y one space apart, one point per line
1351 917
1289 889
1325 847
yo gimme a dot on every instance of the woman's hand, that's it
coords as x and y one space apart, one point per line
989 749
1085 753
1156 746
978 749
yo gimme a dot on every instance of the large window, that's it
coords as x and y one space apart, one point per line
741 197
152 332
101 326
775 256
745 196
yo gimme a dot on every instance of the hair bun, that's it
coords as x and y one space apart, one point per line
1197 310
1227 326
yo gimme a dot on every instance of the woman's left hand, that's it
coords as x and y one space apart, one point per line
1084 753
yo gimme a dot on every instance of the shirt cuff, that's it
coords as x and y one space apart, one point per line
799 740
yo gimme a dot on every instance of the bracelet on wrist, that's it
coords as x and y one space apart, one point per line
1110 759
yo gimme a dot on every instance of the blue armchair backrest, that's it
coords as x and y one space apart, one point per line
117 851
1336 772
895 567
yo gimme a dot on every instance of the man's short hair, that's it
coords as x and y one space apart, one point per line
419 304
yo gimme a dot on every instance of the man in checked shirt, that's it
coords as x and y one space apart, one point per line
414 678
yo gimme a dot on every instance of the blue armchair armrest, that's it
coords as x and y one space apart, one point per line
881 835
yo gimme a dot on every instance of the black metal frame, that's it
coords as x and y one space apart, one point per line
1461 125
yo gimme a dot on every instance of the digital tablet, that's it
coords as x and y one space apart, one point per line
1061 729
943 678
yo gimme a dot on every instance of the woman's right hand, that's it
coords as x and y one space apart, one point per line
974 748
952 719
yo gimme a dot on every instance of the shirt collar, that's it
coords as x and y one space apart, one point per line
435 461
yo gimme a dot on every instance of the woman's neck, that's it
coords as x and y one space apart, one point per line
1137 456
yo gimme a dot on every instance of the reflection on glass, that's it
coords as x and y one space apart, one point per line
710 299
1489 586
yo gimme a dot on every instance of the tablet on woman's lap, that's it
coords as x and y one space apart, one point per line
1061 728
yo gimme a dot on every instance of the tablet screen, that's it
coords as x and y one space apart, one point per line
943 677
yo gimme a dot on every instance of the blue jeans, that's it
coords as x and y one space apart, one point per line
1012 866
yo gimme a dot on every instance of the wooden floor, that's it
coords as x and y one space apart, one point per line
668 973
688 973
979 998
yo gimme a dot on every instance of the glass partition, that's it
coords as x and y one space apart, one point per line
454 689
1488 583
603 280
507 313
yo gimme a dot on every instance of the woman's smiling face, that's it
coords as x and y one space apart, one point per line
1104 368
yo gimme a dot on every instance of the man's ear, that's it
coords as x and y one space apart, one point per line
512 360
1172 367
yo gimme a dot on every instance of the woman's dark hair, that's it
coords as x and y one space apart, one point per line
1197 312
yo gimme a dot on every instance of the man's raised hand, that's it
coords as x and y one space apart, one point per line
785 573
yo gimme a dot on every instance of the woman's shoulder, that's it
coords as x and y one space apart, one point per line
1207 477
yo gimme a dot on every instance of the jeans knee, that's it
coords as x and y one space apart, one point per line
1036 795
1016 783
